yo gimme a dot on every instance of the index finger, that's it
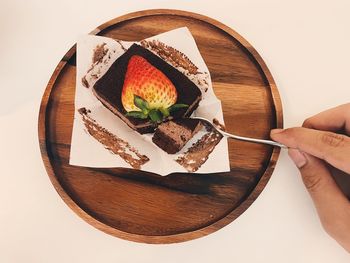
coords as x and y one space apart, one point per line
332 147
335 119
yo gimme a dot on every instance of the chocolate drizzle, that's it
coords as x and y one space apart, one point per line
199 152
111 142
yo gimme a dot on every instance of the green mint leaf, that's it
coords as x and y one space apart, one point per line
165 112
155 115
141 103
137 114
176 107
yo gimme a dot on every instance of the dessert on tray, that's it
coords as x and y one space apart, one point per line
144 90
134 103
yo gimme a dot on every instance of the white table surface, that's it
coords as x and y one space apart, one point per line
305 45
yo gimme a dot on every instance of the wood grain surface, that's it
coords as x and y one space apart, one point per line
146 207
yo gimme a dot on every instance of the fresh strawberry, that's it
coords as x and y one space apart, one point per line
147 92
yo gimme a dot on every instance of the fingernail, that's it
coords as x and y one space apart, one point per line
297 157
276 131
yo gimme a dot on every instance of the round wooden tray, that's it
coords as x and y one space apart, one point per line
146 207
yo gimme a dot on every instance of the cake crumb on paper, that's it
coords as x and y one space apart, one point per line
111 142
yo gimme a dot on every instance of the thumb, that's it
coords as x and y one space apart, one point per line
331 204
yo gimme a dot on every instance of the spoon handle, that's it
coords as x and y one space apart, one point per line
241 138
247 139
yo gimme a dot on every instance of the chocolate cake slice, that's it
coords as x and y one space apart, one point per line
172 136
108 89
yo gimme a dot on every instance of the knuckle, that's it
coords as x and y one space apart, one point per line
332 139
312 182
291 132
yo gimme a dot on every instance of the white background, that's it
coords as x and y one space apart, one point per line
304 43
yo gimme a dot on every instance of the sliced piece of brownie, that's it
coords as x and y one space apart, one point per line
172 136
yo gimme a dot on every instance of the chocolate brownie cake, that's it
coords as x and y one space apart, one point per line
172 136
110 87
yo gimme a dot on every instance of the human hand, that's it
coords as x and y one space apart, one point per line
313 148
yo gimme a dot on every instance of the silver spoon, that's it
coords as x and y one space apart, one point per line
241 138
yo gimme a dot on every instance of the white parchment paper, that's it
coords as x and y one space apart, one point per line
87 151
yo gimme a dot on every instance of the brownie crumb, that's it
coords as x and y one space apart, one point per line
84 111
219 125
85 82
99 52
